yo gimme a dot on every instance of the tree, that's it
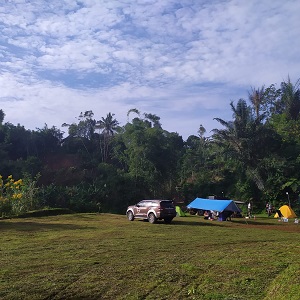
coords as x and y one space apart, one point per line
195 155
285 100
85 127
257 97
84 130
254 148
108 126
204 170
150 155
17 140
236 133
132 110
2 115
46 139
239 140
151 119
291 98
286 123
154 120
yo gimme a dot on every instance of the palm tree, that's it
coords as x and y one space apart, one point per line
241 137
291 98
108 126
237 130
256 97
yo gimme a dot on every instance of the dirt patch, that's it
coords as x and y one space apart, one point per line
56 162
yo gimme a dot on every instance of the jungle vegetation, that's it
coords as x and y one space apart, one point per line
96 164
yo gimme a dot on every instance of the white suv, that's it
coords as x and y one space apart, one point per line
152 210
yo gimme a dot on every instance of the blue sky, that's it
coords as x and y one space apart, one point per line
183 60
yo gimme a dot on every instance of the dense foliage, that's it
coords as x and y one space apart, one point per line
100 165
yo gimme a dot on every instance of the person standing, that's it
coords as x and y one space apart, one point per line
249 209
270 208
267 207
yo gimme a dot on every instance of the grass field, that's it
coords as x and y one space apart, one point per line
92 256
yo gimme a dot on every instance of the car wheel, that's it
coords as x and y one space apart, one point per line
151 218
168 220
130 216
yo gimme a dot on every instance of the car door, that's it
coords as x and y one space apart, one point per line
139 209
144 209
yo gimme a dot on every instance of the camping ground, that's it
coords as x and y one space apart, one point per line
104 256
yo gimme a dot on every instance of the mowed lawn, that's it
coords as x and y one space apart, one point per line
104 256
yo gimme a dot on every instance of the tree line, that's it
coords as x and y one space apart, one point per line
254 157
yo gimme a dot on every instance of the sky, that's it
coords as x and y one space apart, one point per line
182 60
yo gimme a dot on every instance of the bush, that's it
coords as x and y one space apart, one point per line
46 212
17 196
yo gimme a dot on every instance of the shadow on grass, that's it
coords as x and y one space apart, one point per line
242 221
184 221
256 222
197 223
32 226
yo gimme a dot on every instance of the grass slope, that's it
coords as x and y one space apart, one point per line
92 256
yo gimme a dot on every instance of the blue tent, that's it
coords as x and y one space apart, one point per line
222 206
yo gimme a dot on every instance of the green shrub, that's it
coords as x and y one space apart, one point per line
17 196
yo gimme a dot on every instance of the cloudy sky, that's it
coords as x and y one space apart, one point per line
183 60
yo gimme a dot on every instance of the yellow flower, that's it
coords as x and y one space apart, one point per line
17 196
18 182
9 177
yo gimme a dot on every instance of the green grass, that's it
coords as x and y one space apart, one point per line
92 256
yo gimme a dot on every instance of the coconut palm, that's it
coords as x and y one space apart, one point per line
256 97
291 98
241 138
107 126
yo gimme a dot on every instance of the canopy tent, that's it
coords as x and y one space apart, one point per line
217 205
286 212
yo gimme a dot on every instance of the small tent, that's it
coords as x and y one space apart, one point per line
224 207
179 212
286 212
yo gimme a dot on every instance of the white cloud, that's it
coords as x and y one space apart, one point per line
176 59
